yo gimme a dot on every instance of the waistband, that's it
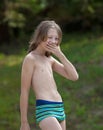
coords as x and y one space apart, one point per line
46 102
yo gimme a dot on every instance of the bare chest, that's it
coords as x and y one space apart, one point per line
43 66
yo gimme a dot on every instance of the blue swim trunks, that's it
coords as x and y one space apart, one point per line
46 109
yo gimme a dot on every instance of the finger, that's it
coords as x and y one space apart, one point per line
52 46
49 48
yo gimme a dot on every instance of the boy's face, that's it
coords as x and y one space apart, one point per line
52 37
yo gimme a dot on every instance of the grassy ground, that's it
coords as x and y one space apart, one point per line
83 99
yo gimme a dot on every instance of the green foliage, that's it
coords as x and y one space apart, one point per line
21 16
17 12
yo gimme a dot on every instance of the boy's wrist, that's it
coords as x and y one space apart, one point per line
61 56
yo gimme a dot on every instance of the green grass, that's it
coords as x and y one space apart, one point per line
83 99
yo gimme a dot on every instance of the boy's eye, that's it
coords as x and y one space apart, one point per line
50 37
56 38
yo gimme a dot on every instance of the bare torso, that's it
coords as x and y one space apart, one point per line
43 82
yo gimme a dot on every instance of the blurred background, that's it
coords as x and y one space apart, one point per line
82 24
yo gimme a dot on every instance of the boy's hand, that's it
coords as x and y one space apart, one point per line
54 49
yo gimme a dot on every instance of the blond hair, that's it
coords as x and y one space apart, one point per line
40 34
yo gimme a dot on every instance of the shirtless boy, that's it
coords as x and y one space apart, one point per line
37 71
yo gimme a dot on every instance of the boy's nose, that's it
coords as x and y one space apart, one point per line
53 40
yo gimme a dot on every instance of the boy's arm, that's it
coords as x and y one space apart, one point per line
65 68
26 76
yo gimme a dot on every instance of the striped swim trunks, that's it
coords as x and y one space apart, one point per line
46 109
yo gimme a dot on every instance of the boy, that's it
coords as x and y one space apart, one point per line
37 71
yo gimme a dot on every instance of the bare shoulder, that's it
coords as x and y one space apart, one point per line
29 59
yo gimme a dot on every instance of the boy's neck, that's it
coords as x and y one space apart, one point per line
39 51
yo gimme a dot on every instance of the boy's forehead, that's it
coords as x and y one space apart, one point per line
52 31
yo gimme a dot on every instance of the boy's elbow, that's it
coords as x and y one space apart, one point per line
75 78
